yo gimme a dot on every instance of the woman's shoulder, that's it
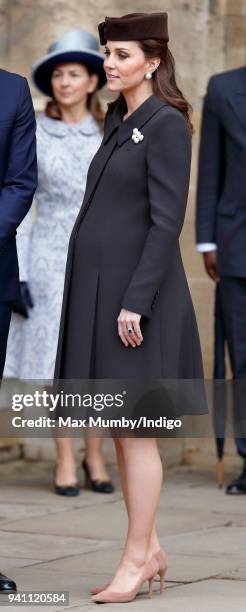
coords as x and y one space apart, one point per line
168 112
169 121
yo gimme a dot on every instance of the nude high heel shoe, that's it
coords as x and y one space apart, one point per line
149 571
162 561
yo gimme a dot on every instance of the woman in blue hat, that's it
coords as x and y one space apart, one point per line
69 133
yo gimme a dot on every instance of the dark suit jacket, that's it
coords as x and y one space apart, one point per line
18 173
221 193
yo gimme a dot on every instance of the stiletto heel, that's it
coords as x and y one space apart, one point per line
151 586
162 579
162 560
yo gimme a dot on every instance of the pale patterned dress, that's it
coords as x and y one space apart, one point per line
64 154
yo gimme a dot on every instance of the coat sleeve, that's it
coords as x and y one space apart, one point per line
210 168
20 180
168 168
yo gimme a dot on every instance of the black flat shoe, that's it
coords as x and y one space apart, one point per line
67 490
237 487
7 585
99 486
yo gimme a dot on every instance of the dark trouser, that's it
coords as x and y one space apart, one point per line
233 303
5 316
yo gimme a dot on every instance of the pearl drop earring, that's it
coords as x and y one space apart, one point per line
148 75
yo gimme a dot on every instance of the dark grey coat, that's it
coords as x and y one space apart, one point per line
124 252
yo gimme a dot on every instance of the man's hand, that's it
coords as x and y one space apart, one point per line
129 320
210 263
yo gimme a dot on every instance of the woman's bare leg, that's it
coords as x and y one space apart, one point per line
141 457
154 541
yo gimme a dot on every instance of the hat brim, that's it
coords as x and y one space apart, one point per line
42 70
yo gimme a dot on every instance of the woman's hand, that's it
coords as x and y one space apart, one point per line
128 320
22 305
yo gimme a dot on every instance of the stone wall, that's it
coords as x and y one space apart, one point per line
206 37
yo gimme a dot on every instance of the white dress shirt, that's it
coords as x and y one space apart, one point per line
205 247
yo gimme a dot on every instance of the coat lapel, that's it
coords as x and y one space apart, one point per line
237 98
99 162
108 144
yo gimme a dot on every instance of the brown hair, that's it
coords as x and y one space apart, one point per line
164 79
93 104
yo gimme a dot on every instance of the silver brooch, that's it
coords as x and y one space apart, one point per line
136 135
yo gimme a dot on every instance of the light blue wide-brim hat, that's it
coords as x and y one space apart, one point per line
76 46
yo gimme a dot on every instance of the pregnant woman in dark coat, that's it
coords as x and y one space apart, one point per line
127 311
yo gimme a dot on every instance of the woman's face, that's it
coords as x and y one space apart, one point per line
125 65
71 84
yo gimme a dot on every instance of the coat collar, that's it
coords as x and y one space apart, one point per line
137 119
60 129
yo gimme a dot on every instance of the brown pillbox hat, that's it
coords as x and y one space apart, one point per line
135 26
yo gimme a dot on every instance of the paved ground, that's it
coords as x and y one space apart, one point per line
49 543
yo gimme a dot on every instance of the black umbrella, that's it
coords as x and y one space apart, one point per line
219 386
